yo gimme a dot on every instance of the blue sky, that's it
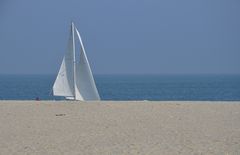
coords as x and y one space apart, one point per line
122 37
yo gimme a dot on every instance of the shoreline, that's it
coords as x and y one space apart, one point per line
128 101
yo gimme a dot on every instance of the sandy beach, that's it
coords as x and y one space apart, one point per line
119 128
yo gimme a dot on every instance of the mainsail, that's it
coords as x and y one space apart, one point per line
84 79
75 79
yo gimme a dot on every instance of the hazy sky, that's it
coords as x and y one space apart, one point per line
122 36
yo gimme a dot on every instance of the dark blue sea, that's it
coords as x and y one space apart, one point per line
130 87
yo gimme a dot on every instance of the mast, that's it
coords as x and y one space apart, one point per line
74 59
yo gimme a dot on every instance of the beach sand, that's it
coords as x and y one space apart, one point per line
119 128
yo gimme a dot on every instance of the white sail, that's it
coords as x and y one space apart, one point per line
86 88
64 83
75 80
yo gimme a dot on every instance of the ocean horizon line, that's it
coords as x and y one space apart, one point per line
135 74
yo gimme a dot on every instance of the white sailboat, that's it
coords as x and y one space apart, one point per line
75 80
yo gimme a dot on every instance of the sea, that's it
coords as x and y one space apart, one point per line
130 87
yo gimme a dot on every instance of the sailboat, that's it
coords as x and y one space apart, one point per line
75 80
